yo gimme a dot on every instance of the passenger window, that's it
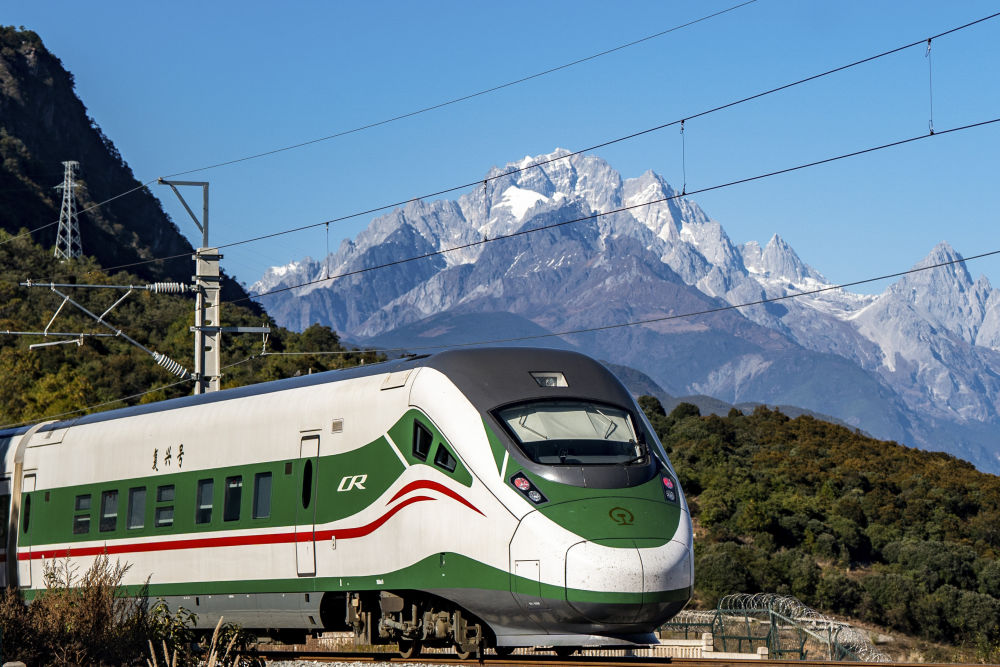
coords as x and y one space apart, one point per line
81 522
109 511
136 508
234 494
443 459
422 440
203 513
27 514
262 495
164 515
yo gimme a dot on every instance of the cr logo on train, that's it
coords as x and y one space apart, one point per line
352 482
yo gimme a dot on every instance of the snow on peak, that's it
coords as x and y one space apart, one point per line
520 201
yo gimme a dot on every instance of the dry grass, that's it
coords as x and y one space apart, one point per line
92 619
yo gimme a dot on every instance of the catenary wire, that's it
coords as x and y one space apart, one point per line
524 232
96 405
653 320
393 119
463 98
117 400
84 210
620 325
565 156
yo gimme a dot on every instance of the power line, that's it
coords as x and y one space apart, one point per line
524 232
652 320
707 311
387 121
464 98
117 400
84 210
602 144
96 405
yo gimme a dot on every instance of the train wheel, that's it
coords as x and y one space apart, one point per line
409 648
466 653
565 651
503 651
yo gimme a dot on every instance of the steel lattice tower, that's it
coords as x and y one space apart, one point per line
68 244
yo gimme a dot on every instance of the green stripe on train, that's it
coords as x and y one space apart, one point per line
51 515
440 571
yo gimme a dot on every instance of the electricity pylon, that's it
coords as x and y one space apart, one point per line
68 243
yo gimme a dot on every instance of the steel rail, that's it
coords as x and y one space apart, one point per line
300 652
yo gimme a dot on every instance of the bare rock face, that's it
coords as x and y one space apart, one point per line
919 363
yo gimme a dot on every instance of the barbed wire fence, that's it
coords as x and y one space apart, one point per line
781 623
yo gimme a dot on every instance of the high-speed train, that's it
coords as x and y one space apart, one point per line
495 497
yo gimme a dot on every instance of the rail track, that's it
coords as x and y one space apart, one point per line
548 660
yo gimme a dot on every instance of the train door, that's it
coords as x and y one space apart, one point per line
24 567
305 507
4 521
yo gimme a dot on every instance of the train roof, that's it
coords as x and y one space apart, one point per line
488 376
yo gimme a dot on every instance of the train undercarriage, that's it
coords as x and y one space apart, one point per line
414 620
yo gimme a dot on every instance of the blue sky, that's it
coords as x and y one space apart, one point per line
183 84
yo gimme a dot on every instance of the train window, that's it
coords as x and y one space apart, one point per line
164 516
444 459
234 494
109 511
81 524
307 484
262 495
574 433
203 512
422 440
136 508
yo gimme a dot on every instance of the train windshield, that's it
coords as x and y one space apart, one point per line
574 433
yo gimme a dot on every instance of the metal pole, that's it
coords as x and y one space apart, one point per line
207 336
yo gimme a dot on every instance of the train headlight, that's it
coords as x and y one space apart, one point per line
670 490
524 485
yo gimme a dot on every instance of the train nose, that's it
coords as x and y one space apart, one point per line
627 581
615 564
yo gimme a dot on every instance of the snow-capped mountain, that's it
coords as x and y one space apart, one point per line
919 363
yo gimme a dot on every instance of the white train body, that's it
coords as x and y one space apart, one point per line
379 498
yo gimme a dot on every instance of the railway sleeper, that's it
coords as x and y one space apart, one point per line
414 620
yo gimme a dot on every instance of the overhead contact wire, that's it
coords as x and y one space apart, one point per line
524 232
463 98
653 320
603 144
386 121
571 332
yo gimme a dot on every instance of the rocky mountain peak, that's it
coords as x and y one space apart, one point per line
777 261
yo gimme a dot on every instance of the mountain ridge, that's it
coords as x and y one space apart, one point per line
909 364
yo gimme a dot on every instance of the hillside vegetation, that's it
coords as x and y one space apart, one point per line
59 379
893 536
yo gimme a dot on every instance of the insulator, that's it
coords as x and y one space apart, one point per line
170 364
168 288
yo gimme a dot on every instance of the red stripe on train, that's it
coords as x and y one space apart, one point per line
233 541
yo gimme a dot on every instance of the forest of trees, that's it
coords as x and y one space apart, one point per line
895 536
